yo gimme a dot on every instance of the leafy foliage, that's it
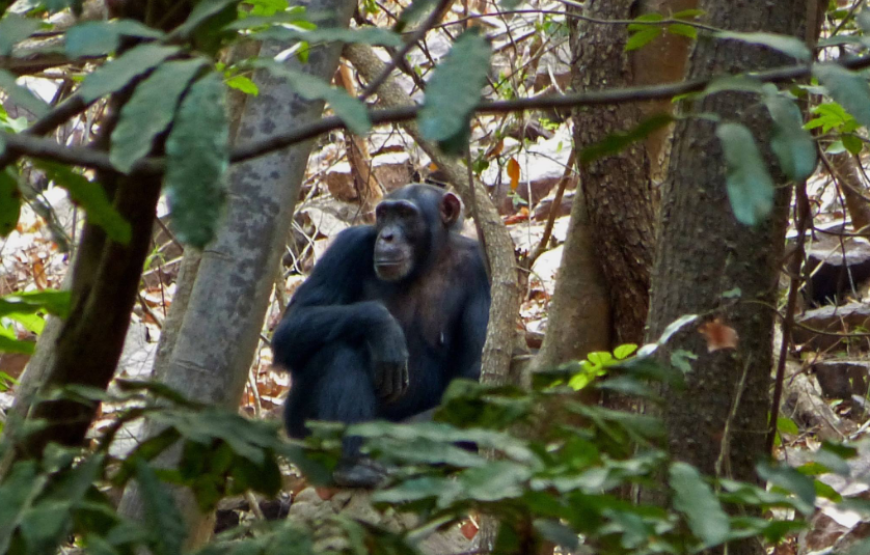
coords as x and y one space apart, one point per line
150 111
454 91
198 154
548 482
750 187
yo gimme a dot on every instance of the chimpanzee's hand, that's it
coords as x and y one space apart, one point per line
390 361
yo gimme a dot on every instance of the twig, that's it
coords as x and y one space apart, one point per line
551 218
431 20
802 207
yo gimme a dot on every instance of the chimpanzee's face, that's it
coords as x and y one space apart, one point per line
402 238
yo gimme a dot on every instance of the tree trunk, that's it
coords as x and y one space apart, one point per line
661 61
215 345
855 193
617 188
703 252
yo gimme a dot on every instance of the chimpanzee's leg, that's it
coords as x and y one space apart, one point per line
336 386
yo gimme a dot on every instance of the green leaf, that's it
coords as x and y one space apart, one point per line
683 30
96 38
624 351
22 96
352 112
161 514
243 84
91 196
691 13
786 44
642 37
11 344
118 73
793 146
848 88
197 153
16 493
793 481
366 35
414 13
695 499
14 29
31 322
455 88
53 302
787 426
618 141
852 143
149 111
750 187
10 202
202 12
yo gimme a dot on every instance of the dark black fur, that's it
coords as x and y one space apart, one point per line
346 328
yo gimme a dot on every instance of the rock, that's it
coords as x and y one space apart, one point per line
543 209
838 319
311 509
841 379
838 270
391 170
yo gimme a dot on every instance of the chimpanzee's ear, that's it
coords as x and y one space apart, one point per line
451 209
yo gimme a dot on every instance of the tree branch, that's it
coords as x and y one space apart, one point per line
21 144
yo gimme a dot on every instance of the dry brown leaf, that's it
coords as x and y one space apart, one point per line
513 170
718 335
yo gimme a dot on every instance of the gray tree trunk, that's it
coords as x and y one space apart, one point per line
719 423
215 345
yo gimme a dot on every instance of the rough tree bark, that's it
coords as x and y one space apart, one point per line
618 190
215 345
703 252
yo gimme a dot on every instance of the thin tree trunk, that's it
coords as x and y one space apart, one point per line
703 252
220 331
854 190
618 191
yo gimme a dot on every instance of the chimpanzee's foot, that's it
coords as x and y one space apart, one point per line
359 473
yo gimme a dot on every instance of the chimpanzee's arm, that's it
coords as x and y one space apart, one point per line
326 308
475 317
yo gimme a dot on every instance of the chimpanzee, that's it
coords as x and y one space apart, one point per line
390 314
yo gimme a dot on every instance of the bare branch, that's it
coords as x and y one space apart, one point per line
21 144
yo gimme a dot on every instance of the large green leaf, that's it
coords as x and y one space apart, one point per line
161 513
695 499
848 88
21 96
150 110
119 72
791 143
13 29
750 187
197 152
366 35
349 109
10 202
91 196
455 88
793 481
201 13
17 492
96 38
786 44
29 302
